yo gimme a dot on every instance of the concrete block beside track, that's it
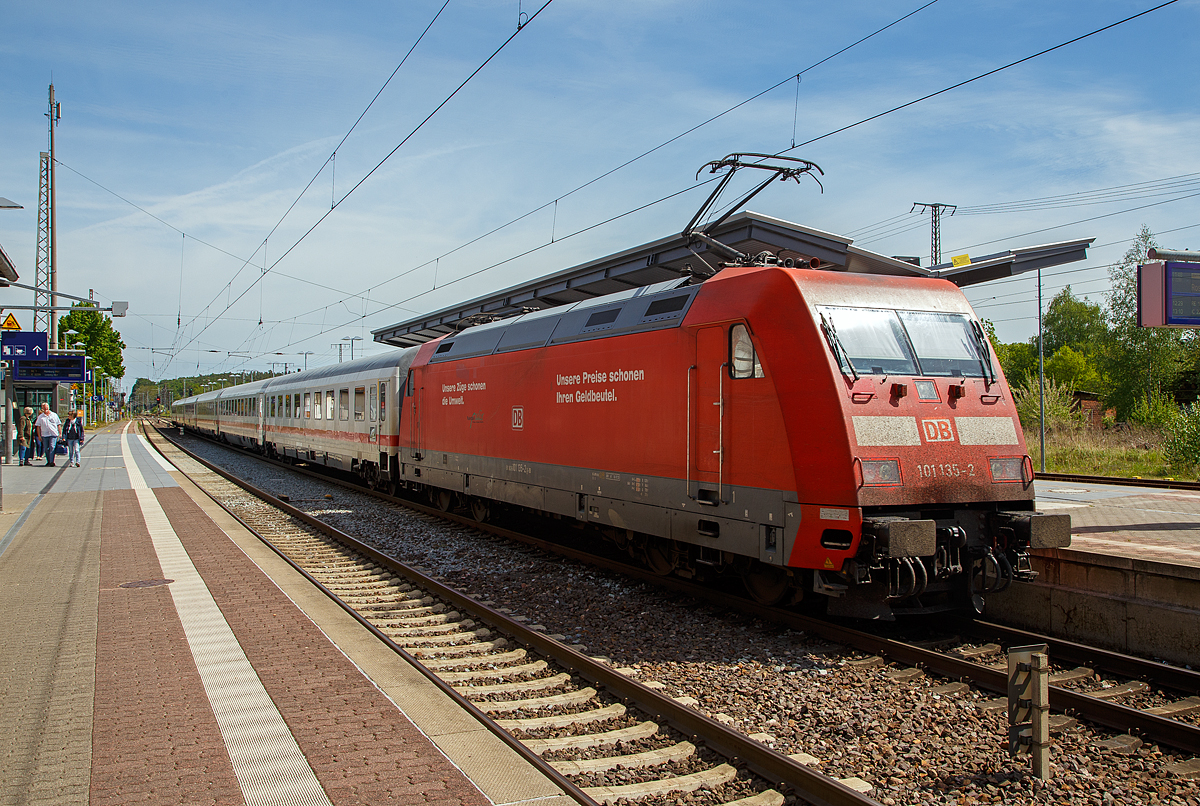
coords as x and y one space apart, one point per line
1133 606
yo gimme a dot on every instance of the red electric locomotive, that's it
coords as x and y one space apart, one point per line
844 436
813 432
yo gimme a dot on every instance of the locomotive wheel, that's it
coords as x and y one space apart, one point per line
442 499
765 584
481 510
657 553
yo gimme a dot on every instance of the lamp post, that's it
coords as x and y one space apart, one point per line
79 346
351 339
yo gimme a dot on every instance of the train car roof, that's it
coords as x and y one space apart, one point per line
386 360
662 261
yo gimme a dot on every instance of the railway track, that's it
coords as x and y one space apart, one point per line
601 734
965 663
1162 484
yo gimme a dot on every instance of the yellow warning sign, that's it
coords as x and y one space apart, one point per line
828 563
10 323
959 261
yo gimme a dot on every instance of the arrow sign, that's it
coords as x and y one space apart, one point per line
23 344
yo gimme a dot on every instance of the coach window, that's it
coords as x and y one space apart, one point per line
296 405
307 405
743 361
372 404
383 402
343 404
271 411
287 406
316 405
328 404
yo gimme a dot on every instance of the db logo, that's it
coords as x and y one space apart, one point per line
518 417
938 430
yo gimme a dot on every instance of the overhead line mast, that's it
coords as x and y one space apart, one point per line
935 236
45 297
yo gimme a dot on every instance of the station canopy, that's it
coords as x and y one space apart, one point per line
747 232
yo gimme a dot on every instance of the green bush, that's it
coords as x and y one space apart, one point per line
1159 410
1182 443
1058 405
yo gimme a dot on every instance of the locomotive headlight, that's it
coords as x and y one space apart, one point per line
1008 468
880 472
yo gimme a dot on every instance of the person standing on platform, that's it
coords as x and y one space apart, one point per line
49 427
73 433
25 438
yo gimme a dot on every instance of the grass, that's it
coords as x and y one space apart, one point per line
1126 450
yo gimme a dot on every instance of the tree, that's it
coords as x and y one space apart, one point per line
1139 363
1017 360
1071 369
100 339
1074 323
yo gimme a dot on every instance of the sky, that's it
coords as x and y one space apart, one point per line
211 171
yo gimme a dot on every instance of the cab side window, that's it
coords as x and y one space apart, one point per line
743 360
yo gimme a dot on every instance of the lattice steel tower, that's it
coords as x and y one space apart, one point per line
935 237
45 276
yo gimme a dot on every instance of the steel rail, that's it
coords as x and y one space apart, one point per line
790 776
1163 730
1175 678
1120 481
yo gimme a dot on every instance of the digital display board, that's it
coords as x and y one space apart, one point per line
1183 294
60 368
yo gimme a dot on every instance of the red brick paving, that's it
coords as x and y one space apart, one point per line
154 736
361 747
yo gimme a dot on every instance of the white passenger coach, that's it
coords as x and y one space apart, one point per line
343 416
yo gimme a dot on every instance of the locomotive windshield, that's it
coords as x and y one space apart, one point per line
871 341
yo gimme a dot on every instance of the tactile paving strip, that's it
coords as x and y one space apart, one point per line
269 765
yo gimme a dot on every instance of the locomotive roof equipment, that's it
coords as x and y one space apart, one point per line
746 232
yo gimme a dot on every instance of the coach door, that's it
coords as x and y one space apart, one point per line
706 432
258 433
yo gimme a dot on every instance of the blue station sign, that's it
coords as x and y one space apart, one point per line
20 345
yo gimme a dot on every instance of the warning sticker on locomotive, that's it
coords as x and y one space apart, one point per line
609 378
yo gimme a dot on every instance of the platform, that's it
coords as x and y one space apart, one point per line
1139 523
154 651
